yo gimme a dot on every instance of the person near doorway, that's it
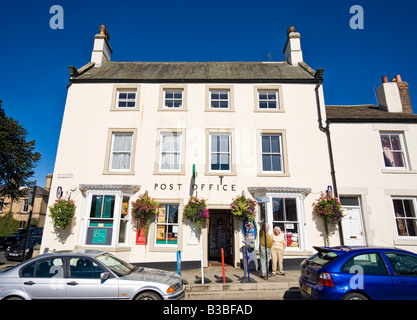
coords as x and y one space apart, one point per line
277 251
264 250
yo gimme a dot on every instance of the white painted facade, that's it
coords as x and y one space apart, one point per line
92 120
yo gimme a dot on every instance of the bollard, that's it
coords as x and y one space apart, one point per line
179 262
224 276
202 267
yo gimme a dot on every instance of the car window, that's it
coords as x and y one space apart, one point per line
321 258
85 268
46 268
365 263
402 264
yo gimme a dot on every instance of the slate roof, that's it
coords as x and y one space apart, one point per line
366 113
194 72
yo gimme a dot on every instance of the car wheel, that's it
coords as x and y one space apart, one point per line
354 296
148 296
15 298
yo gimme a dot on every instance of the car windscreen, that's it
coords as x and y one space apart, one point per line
119 267
321 259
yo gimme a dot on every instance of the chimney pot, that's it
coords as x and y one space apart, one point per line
398 78
385 79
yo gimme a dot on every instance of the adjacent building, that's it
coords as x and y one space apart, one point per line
215 130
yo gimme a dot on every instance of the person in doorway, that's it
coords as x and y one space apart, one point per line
277 251
264 250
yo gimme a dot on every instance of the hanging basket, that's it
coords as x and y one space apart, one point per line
196 211
330 210
62 212
142 210
243 207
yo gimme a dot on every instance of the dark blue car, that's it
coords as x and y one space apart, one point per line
359 273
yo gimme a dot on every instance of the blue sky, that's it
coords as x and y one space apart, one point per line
34 58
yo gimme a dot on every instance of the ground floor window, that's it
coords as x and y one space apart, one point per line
167 225
284 215
405 216
106 218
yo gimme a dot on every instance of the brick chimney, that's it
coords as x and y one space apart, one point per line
292 50
394 96
102 49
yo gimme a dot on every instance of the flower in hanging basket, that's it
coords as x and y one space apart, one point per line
243 207
142 210
196 210
62 212
329 209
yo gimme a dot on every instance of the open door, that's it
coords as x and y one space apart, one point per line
220 236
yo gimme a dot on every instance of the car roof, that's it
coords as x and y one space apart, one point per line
84 252
345 249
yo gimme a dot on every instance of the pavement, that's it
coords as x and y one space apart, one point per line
238 286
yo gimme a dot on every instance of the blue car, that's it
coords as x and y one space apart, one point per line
359 273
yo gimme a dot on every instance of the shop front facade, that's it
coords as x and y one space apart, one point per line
212 130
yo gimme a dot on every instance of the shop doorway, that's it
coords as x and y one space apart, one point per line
220 236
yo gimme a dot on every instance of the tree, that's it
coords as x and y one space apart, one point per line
17 157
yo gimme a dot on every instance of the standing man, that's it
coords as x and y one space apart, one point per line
264 251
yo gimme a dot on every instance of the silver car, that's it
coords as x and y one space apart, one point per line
87 274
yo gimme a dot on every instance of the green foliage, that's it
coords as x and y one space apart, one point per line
8 225
62 212
243 207
17 157
142 210
196 210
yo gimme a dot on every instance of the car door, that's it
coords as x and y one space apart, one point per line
84 280
404 267
44 279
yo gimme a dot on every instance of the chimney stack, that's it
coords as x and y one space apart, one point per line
102 49
394 96
292 50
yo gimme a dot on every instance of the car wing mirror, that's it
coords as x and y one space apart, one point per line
104 275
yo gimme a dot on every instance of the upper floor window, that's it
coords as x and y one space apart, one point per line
121 152
220 152
25 205
126 99
268 99
393 148
173 98
170 151
219 99
271 153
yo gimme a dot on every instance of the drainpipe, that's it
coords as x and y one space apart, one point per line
326 130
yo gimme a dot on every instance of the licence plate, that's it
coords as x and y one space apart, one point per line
306 288
13 254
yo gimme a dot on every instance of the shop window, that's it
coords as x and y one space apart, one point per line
284 216
167 225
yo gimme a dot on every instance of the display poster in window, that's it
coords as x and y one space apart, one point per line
125 208
99 236
160 233
141 234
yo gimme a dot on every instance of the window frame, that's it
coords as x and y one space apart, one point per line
405 218
280 153
166 224
109 152
175 152
121 197
214 88
279 99
219 152
117 89
162 96
173 99
403 150
285 172
158 152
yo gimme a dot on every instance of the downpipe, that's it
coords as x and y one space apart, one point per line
326 130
